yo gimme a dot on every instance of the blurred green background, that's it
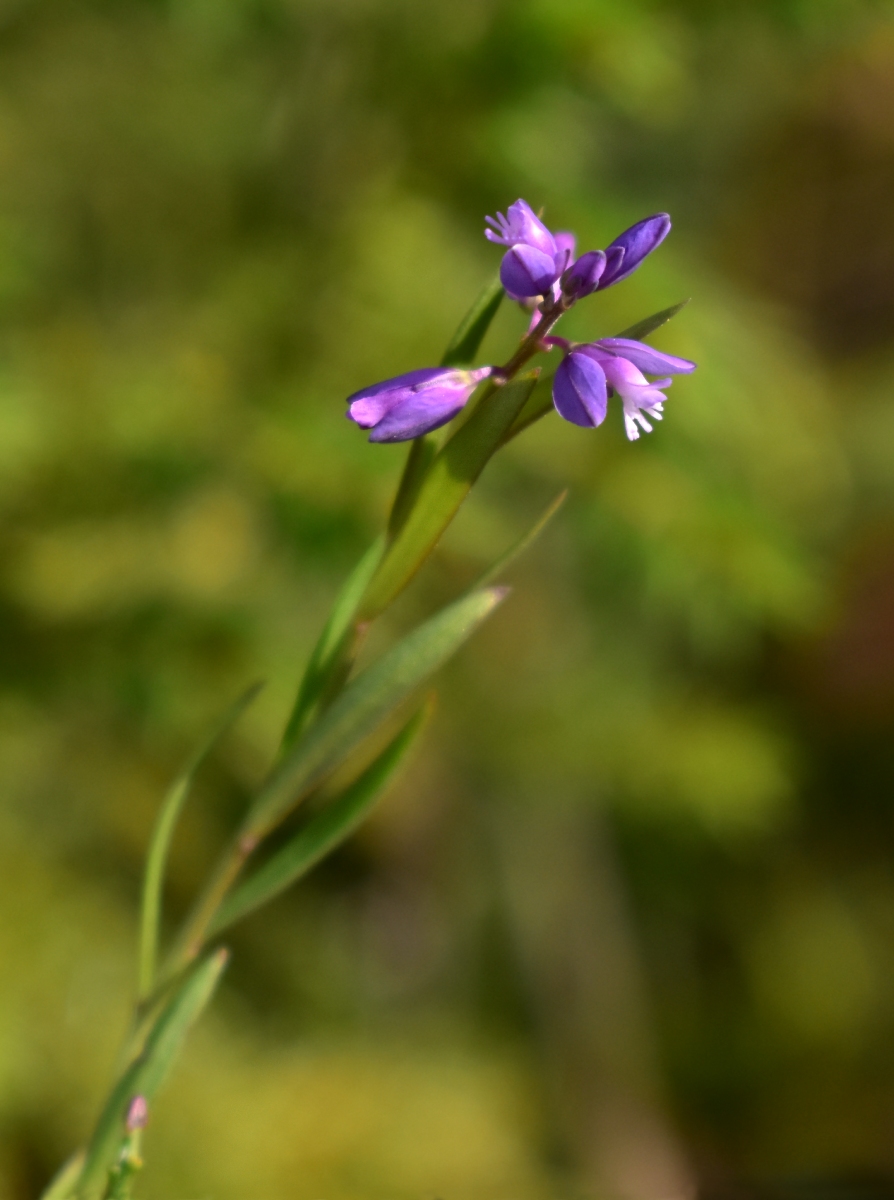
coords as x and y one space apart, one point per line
626 928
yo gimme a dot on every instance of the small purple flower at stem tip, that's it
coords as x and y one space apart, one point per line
521 227
410 405
137 1114
535 257
628 250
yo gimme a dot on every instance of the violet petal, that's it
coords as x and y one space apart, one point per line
418 413
646 358
526 271
579 391
521 225
637 242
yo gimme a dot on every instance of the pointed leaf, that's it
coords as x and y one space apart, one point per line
649 324
365 703
146 1073
539 404
160 842
422 452
330 644
466 342
446 484
64 1182
326 830
515 551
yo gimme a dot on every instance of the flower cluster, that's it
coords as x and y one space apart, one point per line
540 268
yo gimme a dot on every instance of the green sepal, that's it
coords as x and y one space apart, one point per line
328 651
364 704
466 342
160 842
147 1072
649 324
445 486
324 831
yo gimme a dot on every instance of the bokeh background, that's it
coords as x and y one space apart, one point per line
626 928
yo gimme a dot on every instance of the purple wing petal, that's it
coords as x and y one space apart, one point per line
579 391
646 358
418 413
637 242
370 404
526 271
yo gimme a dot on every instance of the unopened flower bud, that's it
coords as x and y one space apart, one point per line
137 1114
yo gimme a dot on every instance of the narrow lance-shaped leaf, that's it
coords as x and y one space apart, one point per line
515 551
330 643
422 452
145 1075
326 830
540 402
364 704
649 324
446 484
466 342
160 842
64 1182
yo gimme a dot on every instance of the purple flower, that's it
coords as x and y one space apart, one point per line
587 374
535 258
407 406
629 249
521 226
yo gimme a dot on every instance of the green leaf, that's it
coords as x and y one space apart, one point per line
336 822
445 486
649 324
516 550
64 1182
160 842
364 705
146 1073
422 452
539 404
331 643
466 342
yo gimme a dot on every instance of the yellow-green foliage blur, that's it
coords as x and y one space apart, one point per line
627 924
